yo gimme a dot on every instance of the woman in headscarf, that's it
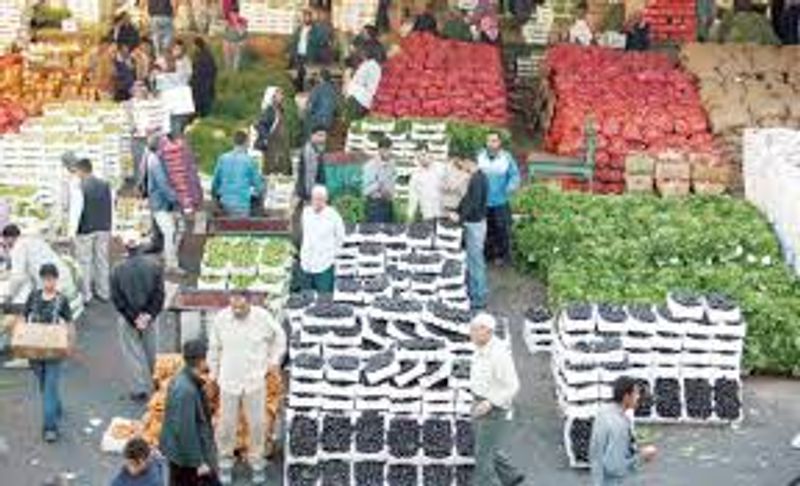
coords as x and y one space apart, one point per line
204 77
273 137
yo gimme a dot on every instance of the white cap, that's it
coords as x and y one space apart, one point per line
484 320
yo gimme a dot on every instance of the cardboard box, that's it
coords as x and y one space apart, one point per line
42 341
639 183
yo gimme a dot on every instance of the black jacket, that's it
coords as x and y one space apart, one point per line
126 35
137 286
473 206
187 438
203 82
97 206
425 22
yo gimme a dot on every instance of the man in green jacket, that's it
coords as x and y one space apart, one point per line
187 437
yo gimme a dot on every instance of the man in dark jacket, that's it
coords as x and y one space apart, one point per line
187 437
472 213
124 32
137 290
204 77
321 104
92 244
124 73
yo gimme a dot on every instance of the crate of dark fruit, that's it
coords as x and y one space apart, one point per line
578 317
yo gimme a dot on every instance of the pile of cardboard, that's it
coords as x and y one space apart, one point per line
745 86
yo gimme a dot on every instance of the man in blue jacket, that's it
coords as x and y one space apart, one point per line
322 104
502 175
237 180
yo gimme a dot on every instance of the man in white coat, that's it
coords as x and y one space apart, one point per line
245 343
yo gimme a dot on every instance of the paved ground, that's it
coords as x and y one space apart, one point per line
755 454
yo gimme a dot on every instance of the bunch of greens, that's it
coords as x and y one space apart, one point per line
627 249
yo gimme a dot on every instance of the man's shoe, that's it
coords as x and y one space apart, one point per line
140 397
226 475
517 481
50 436
796 441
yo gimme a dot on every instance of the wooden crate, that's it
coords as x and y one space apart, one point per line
673 187
639 183
708 188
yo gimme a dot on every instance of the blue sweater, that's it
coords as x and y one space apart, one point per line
236 180
502 175
153 475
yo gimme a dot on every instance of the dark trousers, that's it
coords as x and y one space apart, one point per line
493 466
498 234
320 282
299 63
379 211
187 476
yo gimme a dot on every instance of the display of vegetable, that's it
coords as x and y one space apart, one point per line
636 102
627 249
11 116
442 78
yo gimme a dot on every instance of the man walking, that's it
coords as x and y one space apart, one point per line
163 200
503 177
323 235
245 343
92 243
187 437
494 383
378 184
613 453
471 212
137 291
310 172
237 180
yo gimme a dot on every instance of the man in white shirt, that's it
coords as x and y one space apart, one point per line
494 383
425 189
245 343
580 32
363 86
323 235
27 255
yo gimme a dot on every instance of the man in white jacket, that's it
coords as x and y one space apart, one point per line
425 188
245 343
363 86
494 383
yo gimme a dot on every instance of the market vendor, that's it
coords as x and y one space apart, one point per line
378 184
367 44
362 87
502 174
272 133
581 31
28 254
245 342
46 305
494 383
425 188
237 180
323 235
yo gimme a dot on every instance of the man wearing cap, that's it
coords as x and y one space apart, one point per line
378 184
93 231
494 383
27 255
137 291
187 436
245 343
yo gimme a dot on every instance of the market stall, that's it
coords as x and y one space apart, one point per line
378 384
638 103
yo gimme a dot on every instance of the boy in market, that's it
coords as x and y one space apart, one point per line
143 466
378 184
502 174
